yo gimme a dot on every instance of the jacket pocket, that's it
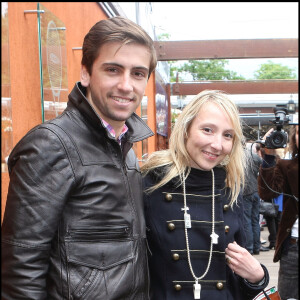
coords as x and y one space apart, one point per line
99 262
109 232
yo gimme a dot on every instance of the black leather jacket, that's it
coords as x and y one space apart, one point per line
74 223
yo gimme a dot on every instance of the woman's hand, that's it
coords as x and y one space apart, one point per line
241 262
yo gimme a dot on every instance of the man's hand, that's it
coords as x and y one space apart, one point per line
267 150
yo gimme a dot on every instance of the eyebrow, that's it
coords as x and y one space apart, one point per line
214 125
122 67
232 131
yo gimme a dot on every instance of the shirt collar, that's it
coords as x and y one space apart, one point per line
112 132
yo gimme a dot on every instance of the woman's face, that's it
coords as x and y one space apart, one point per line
210 137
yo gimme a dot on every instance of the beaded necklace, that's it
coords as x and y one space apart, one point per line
213 236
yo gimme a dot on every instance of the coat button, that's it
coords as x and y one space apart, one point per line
171 226
220 285
227 228
288 230
226 207
175 256
177 287
168 197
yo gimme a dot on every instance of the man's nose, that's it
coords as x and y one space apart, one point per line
125 83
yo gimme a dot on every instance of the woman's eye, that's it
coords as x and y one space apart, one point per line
207 130
229 135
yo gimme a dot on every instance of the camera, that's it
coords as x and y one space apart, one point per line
278 138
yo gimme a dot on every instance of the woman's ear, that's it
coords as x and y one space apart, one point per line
84 77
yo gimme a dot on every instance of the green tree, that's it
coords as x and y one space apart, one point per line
200 69
204 70
163 37
272 70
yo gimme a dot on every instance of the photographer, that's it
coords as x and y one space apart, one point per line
277 177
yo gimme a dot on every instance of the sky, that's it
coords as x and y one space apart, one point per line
226 20
223 20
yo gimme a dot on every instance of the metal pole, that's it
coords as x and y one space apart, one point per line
137 12
258 132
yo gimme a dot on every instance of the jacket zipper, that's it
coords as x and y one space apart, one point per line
87 234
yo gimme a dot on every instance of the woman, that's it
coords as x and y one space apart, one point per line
281 177
193 207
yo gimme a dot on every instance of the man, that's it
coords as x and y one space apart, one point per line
251 205
74 226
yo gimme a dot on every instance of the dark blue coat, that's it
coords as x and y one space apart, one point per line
170 275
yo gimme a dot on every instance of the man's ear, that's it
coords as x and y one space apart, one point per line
84 77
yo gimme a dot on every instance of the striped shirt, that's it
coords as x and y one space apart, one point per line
112 132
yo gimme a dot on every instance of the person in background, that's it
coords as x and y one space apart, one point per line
281 177
251 201
259 151
287 154
194 208
74 224
273 222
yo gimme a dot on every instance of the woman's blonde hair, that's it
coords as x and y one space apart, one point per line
177 160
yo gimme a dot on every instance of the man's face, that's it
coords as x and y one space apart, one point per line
117 82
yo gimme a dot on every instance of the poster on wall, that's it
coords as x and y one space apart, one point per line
161 110
54 64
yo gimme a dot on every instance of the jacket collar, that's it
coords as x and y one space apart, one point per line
137 128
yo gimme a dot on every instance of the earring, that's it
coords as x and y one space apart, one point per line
225 161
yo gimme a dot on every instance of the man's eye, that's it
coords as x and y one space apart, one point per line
112 70
139 74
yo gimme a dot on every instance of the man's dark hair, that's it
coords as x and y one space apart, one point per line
117 29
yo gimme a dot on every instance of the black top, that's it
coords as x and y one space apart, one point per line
170 275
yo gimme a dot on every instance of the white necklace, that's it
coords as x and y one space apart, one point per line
213 236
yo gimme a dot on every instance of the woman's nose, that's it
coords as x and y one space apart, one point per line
217 142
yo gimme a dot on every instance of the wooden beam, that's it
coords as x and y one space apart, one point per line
237 87
226 49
